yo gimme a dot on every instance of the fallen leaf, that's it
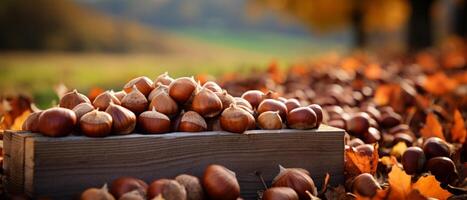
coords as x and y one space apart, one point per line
357 162
399 182
430 187
458 131
373 72
18 123
432 127
398 149
439 84
388 160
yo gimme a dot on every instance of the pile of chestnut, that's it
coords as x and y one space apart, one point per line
217 183
167 105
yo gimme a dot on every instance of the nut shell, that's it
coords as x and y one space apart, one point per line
135 101
292 104
302 118
96 124
57 122
103 100
192 122
123 185
144 85
297 179
182 89
235 119
168 189
153 122
193 187
163 79
206 103
280 193
82 109
443 169
273 105
365 185
270 120
73 98
435 147
32 122
254 97
413 160
124 121
220 183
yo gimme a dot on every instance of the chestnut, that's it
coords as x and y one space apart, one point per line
291 104
273 105
164 104
443 169
206 103
434 147
365 149
413 160
270 120
254 97
242 102
123 185
82 109
235 119
338 123
182 89
124 121
96 124
390 119
372 135
220 183
153 122
135 101
168 189
144 85
193 187
297 179
280 193
225 98
365 185
213 86
403 137
103 100
32 122
192 122
120 95
355 142
319 113
159 88
302 118
96 193
358 124
57 122
163 79
71 99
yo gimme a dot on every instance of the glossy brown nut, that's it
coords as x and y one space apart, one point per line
403 137
153 122
168 189
135 101
163 79
193 187
123 185
358 124
413 160
318 111
273 105
280 193
144 85
96 124
103 100
292 104
435 147
365 185
297 179
72 99
82 109
355 142
182 89
206 103
270 120
220 183
32 122
124 121
192 122
372 135
213 86
365 149
443 169
390 119
302 118
254 97
235 119
57 122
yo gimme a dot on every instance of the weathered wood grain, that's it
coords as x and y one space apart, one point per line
14 160
63 167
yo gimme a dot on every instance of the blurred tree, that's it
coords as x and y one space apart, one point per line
363 15
460 18
420 25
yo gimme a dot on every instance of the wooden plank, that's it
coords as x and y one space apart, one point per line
63 167
15 161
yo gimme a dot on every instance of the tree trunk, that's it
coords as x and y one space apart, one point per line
460 19
357 23
420 34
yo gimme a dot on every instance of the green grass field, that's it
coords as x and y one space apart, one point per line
36 74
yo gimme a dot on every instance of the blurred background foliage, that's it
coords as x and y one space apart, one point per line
102 43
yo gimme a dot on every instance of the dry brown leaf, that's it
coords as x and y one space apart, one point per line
399 183
439 84
458 131
428 186
357 163
432 127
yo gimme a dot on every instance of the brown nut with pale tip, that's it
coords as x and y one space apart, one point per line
167 189
225 98
192 122
96 124
273 105
220 183
302 118
372 135
193 187
213 86
242 102
32 122
235 119
159 88
182 89
123 185
206 103
443 169
280 193
365 185
96 194
358 124
319 113
73 98
154 122
297 179
435 147
103 100
144 85
270 120
163 79
254 97
82 109
57 122
291 104
124 121
120 95
135 101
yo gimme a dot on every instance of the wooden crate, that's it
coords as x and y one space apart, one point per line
62 168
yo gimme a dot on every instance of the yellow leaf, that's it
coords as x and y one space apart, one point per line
432 127
398 149
399 183
388 161
430 187
458 131
357 162
18 123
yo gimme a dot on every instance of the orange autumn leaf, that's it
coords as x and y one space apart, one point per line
432 127
399 182
439 84
357 162
388 160
18 123
385 94
373 72
275 72
428 186
458 131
